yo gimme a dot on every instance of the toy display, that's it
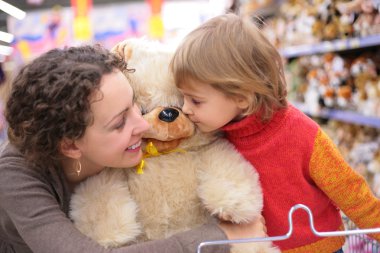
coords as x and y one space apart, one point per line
330 79
186 177
307 22
335 81
332 66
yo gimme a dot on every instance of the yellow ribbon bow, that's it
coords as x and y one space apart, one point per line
151 150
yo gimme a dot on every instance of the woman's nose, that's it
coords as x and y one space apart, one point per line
168 114
141 127
141 124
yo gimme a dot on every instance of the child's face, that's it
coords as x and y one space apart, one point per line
114 138
207 107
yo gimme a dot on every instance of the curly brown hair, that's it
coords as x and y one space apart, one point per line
50 100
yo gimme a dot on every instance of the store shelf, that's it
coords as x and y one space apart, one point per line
353 117
331 46
344 116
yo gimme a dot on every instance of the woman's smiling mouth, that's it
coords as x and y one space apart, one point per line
134 147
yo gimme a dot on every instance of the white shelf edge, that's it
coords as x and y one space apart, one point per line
351 117
330 46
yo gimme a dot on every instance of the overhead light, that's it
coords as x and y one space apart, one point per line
6 37
12 10
35 2
5 50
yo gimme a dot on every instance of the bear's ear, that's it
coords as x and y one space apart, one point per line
123 50
68 148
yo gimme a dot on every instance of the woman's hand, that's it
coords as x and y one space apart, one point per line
253 229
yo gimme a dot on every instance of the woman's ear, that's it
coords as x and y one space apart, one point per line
68 148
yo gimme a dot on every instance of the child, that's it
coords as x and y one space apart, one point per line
232 79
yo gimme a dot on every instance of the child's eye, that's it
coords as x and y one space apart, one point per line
194 101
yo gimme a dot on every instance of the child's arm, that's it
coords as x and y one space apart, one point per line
344 186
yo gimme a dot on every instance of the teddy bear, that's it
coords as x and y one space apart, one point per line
185 179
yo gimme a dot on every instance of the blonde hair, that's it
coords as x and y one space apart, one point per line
232 55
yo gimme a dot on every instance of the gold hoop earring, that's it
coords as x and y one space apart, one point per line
79 168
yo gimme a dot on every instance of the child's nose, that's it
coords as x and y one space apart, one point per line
186 109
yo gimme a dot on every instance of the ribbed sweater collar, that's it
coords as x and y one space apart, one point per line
252 125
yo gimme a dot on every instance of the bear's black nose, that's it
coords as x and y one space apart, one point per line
168 114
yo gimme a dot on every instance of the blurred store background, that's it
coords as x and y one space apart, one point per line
49 23
331 52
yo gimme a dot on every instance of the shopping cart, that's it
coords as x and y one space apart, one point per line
353 235
359 243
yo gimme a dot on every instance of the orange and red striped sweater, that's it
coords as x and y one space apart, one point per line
299 164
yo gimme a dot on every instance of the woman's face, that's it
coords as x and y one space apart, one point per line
114 138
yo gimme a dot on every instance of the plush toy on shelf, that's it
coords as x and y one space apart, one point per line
362 70
346 25
363 24
372 102
332 28
368 20
317 82
186 177
337 69
350 6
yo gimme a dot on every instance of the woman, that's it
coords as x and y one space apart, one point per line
71 113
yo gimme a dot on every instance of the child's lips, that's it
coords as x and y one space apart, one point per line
194 121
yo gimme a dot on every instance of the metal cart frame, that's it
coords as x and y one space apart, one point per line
353 235
359 243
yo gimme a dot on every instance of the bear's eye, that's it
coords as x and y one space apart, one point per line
143 110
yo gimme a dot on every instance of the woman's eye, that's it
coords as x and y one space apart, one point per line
121 124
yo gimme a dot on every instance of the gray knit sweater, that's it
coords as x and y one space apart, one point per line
34 207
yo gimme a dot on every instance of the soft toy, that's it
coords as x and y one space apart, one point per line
346 25
363 70
185 179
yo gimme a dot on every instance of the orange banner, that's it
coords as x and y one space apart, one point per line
82 24
156 25
155 6
81 7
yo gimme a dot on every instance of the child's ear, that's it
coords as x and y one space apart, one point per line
242 102
69 149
